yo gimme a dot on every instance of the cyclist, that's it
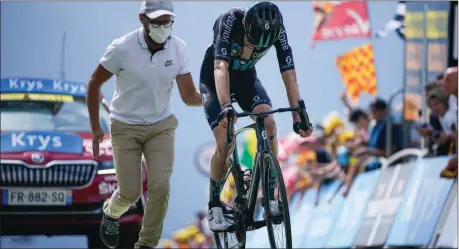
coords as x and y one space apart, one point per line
241 38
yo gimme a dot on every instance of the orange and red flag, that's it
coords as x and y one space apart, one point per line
357 69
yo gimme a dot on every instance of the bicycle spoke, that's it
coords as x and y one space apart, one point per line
276 204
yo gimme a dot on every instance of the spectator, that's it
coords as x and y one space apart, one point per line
361 121
438 101
332 125
449 83
377 139
344 161
367 154
316 167
428 131
447 105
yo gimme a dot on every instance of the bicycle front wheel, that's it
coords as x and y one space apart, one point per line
275 204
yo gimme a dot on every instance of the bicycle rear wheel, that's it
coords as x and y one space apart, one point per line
233 209
275 204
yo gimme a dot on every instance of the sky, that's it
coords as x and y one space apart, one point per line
31 35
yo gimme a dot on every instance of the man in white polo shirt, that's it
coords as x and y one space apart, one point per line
145 62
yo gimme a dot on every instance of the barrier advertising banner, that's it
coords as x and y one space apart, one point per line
301 220
293 204
383 205
349 221
369 220
325 216
422 204
448 236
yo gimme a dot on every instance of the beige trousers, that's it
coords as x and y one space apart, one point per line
156 142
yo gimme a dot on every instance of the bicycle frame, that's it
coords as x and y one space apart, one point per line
262 146
258 168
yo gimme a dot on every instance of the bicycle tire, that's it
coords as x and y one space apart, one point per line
239 184
270 160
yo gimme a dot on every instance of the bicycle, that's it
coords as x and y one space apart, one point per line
241 215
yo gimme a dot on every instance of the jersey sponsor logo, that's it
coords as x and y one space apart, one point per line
227 26
288 62
224 53
283 40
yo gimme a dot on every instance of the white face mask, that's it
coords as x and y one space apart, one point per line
159 34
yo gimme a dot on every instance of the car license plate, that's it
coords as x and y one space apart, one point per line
37 197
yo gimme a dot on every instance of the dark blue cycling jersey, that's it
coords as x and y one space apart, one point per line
228 44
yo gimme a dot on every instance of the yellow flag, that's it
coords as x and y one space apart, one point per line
357 69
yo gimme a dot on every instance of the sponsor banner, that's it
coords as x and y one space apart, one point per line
351 217
301 220
48 141
340 19
45 86
383 206
448 236
325 216
391 204
373 208
422 204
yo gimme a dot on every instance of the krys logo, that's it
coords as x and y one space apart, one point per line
41 141
27 85
43 86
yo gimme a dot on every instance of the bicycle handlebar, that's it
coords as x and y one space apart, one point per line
301 109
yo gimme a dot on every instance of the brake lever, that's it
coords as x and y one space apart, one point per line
304 115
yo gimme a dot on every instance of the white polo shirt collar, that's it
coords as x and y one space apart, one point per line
144 44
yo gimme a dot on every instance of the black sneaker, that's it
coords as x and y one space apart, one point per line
109 231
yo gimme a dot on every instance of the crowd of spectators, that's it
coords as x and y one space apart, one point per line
340 148
440 131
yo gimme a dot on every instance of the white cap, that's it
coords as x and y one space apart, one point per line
155 9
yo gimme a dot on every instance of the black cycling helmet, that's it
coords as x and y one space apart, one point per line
262 23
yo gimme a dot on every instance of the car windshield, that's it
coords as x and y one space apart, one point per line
72 116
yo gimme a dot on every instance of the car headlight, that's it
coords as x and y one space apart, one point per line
106 167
